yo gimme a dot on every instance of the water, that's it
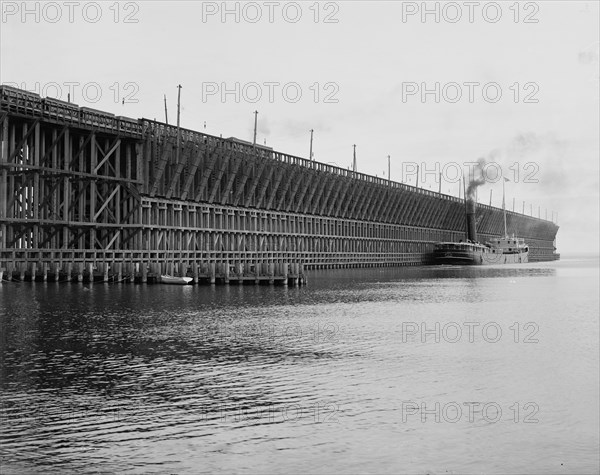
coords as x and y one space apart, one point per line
339 376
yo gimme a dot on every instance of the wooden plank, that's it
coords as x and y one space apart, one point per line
237 159
273 194
207 172
19 145
106 202
254 184
187 150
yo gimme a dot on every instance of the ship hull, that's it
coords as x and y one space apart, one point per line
478 258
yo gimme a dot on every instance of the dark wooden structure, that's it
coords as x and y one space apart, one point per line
85 194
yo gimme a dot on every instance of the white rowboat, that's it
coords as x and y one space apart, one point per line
169 279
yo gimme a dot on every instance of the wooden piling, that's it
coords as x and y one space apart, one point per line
226 271
195 272
285 273
212 271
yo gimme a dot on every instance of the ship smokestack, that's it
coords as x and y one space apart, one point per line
471 220
476 179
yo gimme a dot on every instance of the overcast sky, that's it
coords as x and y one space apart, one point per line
516 84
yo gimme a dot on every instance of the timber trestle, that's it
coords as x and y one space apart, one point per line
85 195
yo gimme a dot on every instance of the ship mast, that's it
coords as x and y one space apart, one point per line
178 117
465 200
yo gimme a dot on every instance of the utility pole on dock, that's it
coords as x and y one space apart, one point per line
491 190
166 115
310 154
354 159
255 126
417 179
389 171
504 180
440 188
178 117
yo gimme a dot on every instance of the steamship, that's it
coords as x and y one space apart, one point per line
505 250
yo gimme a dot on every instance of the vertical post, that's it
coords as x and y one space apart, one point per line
271 272
354 158
491 190
119 269
440 188
178 117
212 272
166 115
4 150
504 204
285 273
513 204
465 200
195 272
523 206
255 127
310 154
417 179
389 172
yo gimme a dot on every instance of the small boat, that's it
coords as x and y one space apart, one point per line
169 279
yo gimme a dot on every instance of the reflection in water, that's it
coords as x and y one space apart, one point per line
141 379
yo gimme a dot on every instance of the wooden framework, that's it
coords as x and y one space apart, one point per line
82 183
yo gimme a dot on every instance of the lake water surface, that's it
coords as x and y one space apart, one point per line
396 370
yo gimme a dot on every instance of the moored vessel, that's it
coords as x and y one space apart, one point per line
173 280
504 250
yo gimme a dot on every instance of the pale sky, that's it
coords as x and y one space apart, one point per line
351 61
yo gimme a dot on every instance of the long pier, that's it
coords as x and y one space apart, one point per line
88 195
